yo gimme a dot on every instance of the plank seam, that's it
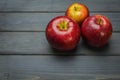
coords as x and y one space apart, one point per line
35 31
55 11
3 54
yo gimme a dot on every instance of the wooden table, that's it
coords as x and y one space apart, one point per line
26 55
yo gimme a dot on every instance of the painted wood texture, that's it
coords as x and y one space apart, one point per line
36 43
57 5
58 67
39 21
26 55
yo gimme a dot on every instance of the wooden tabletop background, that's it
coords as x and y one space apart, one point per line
26 55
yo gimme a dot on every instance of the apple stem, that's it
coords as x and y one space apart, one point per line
63 25
99 21
76 8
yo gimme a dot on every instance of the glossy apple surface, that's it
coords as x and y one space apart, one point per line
97 30
63 33
77 12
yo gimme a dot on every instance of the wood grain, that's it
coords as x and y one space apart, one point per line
36 43
39 21
26 55
58 67
57 5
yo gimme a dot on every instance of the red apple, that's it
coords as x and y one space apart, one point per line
63 33
77 12
97 30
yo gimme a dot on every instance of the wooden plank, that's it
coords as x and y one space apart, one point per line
57 5
58 67
25 21
39 21
36 43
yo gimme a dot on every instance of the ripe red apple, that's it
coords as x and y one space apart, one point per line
77 12
63 33
97 30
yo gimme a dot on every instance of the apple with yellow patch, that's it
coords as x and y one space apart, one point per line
77 12
63 33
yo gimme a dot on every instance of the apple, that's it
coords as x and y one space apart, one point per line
77 12
62 33
96 30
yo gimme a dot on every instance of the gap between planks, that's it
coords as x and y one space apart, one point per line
55 11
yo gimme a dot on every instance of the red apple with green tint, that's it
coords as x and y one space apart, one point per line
77 12
97 30
63 33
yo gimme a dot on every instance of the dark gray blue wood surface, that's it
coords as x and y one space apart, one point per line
36 43
38 67
38 21
57 5
26 55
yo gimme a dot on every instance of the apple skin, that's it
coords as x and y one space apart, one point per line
62 33
77 12
96 30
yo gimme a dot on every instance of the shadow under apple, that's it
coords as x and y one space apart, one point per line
64 53
101 51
